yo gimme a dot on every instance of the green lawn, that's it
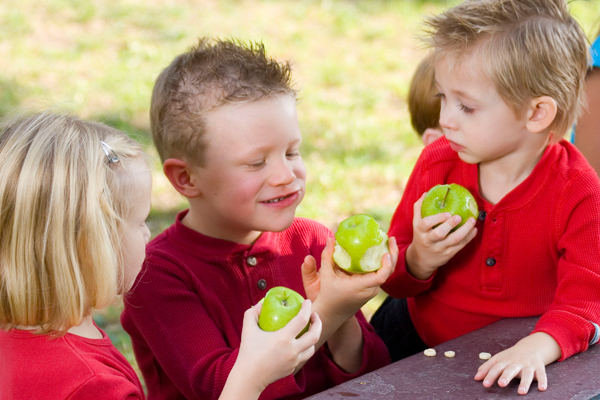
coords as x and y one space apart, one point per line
352 60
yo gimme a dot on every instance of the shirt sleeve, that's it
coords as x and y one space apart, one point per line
401 283
107 386
184 339
576 307
374 355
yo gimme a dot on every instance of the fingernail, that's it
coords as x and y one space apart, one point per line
502 382
487 382
543 387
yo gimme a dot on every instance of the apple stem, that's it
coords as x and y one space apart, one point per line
445 196
284 303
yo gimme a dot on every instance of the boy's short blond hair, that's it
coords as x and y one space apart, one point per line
62 205
528 48
211 74
423 105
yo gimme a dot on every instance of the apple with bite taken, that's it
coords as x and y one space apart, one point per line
452 198
360 244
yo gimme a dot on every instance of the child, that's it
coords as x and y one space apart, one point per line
510 77
423 104
587 136
224 122
74 197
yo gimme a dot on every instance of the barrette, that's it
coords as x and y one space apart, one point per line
110 153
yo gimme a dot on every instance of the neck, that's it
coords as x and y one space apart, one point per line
497 178
204 224
86 329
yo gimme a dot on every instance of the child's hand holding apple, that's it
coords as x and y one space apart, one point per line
265 357
440 229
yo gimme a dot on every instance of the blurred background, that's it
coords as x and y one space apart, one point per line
352 62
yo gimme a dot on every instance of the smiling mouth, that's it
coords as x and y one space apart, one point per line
277 200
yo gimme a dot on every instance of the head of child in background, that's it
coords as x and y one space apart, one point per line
510 74
74 196
224 122
423 104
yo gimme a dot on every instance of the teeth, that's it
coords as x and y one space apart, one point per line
275 200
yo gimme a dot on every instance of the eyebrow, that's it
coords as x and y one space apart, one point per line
458 92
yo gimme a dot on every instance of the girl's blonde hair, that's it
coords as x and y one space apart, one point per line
62 204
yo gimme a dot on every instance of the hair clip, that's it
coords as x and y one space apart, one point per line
112 158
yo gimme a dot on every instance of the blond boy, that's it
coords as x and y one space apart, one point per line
225 125
510 76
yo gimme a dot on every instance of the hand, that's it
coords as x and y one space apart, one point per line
265 357
526 360
344 294
433 247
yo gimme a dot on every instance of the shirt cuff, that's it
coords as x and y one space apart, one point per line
596 337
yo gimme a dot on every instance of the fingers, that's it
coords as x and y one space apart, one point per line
250 321
417 209
300 321
309 267
314 333
526 379
327 254
445 221
393 248
542 379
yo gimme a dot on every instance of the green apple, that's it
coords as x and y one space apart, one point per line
451 198
360 244
279 306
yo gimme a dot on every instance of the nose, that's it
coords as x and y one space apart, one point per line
283 173
446 119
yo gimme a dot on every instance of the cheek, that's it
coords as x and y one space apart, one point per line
300 170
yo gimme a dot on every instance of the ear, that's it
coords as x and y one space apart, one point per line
431 135
180 175
542 111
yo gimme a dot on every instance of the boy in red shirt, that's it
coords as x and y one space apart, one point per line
224 122
510 77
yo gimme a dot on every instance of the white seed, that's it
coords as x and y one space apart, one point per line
485 356
430 352
449 354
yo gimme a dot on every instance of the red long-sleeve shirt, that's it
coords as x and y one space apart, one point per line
69 367
185 312
537 252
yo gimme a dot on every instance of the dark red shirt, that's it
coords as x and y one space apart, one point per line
537 251
186 309
68 367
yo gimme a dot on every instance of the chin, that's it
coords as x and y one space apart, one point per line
279 225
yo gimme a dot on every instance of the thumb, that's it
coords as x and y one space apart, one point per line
309 270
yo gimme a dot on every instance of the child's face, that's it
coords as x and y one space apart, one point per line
476 121
136 234
253 177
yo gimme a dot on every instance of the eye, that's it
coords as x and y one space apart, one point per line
441 96
292 155
257 164
465 109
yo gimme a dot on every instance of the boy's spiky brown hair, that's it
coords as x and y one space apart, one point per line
210 74
528 48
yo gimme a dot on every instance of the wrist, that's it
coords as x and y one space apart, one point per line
241 384
414 267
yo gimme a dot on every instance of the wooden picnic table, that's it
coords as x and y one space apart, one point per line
422 378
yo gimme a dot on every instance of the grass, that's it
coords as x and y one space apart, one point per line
352 60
